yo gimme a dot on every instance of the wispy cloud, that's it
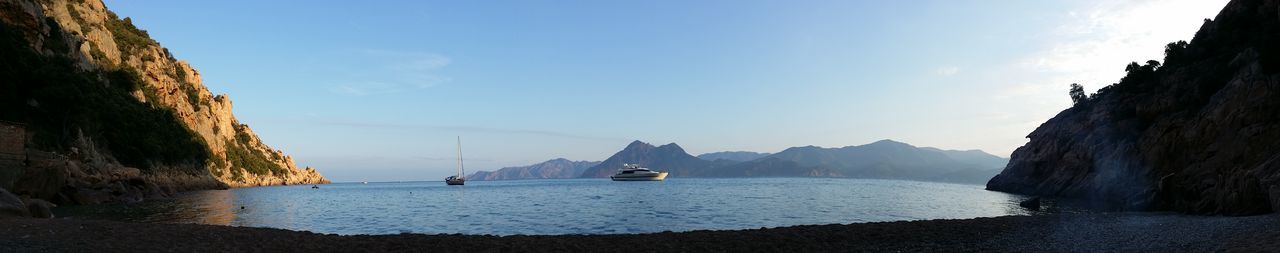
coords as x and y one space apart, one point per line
385 72
467 129
948 71
1091 46
1095 45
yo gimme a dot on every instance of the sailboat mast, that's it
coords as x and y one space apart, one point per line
460 169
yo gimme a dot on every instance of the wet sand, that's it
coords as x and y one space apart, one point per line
1094 232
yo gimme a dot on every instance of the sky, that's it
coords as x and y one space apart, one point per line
379 90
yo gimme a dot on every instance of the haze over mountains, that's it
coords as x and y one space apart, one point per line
741 156
554 168
884 159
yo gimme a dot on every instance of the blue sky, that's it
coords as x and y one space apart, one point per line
378 90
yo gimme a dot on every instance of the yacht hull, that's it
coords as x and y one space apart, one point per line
648 177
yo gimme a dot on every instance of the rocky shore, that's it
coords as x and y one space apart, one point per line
1093 232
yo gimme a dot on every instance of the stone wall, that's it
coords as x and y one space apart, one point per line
12 146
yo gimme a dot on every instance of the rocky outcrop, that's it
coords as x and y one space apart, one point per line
1196 134
178 87
39 208
15 206
81 159
554 168
11 205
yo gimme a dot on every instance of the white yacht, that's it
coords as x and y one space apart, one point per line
633 172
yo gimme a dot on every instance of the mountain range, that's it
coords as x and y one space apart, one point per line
554 168
741 156
884 159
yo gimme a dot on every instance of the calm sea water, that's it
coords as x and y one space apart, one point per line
577 206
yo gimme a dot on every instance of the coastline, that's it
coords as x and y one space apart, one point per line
1085 232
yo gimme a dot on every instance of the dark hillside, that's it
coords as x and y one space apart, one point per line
1195 134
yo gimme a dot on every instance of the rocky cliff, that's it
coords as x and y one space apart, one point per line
107 114
1196 134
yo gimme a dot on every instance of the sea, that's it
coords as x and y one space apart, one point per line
565 206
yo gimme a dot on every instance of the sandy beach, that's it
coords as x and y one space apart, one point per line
1094 232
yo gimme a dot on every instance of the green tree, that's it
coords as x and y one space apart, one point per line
1077 93
1174 51
1132 67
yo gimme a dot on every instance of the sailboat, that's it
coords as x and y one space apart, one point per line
457 179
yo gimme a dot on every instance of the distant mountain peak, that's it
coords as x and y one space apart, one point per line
889 142
638 144
801 148
669 157
673 146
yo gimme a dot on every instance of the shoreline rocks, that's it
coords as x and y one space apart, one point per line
40 208
1032 204
11 205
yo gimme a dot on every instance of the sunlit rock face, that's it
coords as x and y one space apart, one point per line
1198 134
97 43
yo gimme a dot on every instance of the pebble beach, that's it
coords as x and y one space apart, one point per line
1081 232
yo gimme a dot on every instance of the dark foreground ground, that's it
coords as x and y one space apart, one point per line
1098 232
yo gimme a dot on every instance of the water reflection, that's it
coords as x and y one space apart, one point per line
213 207
588 206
